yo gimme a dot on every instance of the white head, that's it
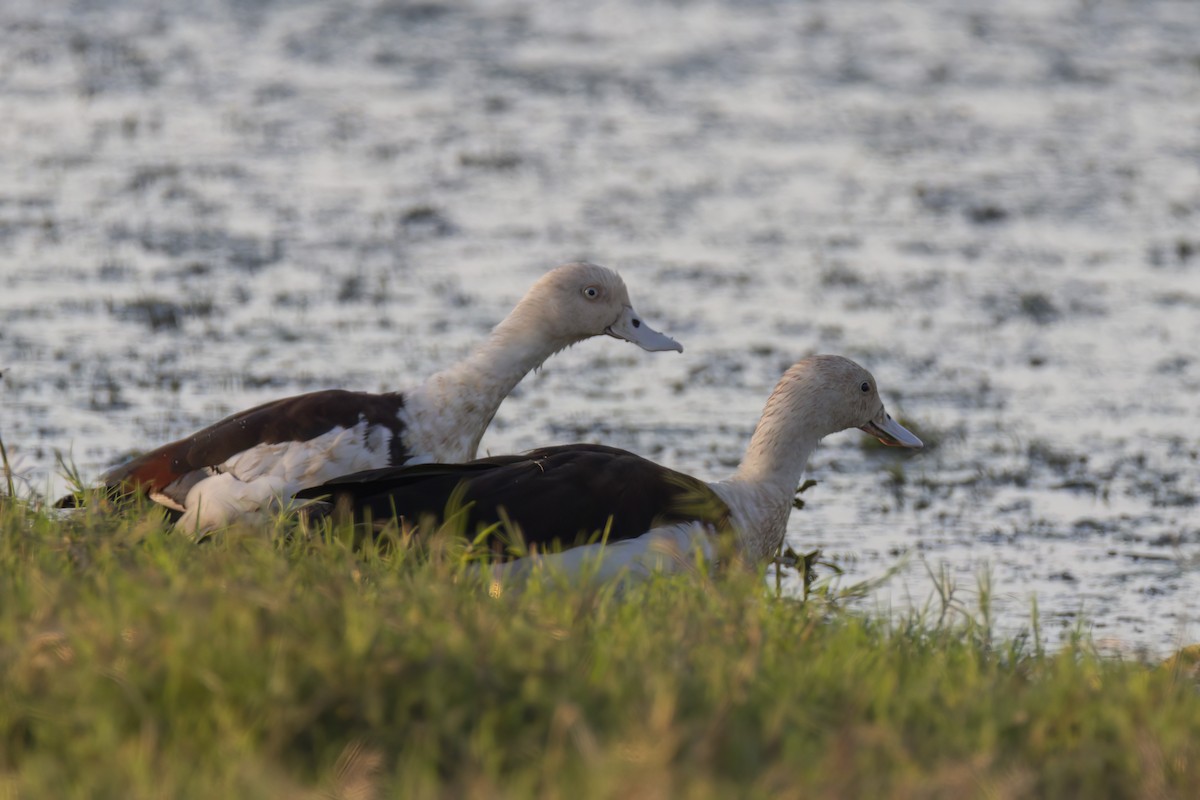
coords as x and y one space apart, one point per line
817 396
579 300
832 393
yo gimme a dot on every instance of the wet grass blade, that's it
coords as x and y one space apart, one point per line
8 476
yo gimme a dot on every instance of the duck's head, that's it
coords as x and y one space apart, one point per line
837 394
579 300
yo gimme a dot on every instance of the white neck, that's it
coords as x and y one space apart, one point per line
761 492
448 414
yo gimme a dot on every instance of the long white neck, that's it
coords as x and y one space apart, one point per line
761 492
448 414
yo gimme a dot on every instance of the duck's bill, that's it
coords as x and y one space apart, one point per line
890 432
629 326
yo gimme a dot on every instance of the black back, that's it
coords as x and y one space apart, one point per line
566 495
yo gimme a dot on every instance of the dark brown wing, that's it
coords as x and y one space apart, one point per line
563 494
292 419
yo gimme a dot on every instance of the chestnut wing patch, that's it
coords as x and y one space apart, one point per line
292 419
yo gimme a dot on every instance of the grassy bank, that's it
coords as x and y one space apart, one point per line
135 664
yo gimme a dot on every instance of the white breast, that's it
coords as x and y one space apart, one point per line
439 426
759 518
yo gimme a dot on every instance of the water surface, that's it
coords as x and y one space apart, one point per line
995 207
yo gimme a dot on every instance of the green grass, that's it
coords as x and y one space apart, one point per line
134 664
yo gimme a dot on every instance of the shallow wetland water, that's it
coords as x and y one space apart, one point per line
994 207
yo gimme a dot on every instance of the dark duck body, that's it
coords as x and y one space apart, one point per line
556 496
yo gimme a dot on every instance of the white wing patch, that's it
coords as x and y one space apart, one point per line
265 477
166 500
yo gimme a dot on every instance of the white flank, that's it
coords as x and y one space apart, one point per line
671 548
265 477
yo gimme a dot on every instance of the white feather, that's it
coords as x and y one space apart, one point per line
263 479
668 549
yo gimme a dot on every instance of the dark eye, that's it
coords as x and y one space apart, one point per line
866 387
591 293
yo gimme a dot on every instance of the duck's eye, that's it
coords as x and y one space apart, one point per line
866 387
591 293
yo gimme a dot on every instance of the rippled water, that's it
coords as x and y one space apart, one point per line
995 207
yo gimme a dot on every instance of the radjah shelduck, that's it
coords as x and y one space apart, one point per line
259 458
561 499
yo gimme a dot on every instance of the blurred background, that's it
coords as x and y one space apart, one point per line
995 207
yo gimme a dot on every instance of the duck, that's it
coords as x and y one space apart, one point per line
589 504
255 461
